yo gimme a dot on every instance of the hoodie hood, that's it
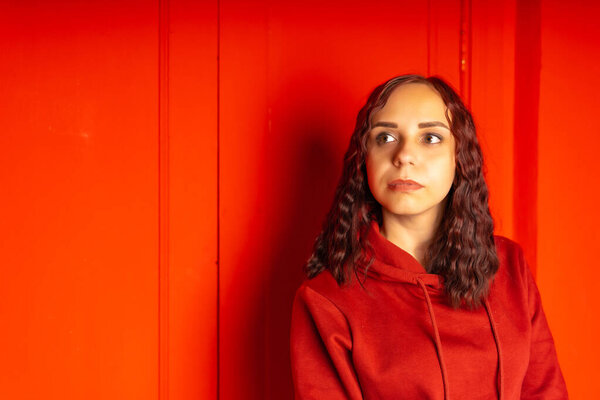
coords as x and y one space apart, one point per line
393 264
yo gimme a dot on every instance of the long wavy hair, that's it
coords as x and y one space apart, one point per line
462 251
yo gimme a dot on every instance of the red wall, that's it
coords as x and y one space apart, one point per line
167 165
79 200
568 216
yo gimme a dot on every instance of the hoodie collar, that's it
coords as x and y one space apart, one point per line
391 263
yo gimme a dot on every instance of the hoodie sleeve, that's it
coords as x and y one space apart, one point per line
321 349
543 379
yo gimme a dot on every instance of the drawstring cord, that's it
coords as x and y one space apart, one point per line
438 342
495 332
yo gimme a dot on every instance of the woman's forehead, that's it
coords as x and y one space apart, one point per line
412 101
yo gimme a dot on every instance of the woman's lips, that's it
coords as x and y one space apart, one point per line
404 185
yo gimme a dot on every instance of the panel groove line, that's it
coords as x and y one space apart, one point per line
163 199
429 38
465 51
218 260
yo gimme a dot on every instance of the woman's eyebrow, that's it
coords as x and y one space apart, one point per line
422 125
432 124
385 124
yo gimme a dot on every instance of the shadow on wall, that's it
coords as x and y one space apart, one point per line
304 168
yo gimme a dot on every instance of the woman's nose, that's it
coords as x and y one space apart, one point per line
404 154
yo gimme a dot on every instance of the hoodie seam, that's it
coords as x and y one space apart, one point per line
336 307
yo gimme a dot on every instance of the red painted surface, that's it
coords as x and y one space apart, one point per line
492 102
79 200
81 182
568 170
527 97
192 197
128 144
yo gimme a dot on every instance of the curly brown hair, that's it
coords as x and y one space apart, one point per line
462 251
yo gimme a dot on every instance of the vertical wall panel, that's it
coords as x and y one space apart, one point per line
192 212
243 126
492 101
568 216
293 76
444 40
527 99
79 199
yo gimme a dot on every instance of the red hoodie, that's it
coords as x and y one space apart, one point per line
397 338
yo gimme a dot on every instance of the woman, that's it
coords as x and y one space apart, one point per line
410 294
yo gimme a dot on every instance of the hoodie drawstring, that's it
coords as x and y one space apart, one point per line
438 342
495 332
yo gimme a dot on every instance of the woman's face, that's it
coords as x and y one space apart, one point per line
411 153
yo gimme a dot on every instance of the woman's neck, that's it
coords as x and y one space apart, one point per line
412 234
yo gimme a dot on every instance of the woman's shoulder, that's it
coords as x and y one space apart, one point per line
326 286
505 244
511 257
508 250
324 283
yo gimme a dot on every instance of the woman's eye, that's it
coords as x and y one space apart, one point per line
432 139
384 138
